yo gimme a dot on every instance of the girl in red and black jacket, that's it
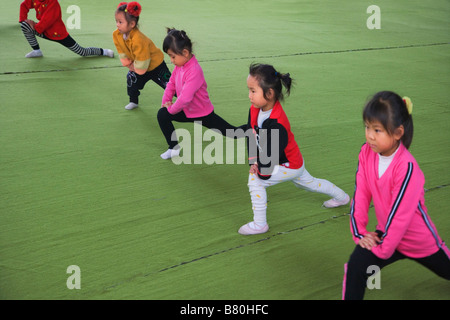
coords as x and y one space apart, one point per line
273 152
51 27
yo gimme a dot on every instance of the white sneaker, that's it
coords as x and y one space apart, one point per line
333 203
170 153
131 106
251 228
34 54
108 53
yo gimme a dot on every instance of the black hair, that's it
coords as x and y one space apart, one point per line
269 78
177 41
391 111
130 18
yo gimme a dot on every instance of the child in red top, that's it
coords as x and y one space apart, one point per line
51 27
273 152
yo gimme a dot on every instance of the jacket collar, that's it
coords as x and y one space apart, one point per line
192 61
275 114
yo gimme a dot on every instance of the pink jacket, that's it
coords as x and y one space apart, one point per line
399 202
188 82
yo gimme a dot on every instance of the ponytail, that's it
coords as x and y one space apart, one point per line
177 41
268 78
286 81
408 123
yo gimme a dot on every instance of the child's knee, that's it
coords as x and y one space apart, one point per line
360 260
257 191
26 28
253 181
163 114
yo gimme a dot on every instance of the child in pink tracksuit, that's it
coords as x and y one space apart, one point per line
389 176
188 83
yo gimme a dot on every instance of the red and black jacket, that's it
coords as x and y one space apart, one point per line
272 144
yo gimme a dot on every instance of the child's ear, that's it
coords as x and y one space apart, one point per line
270 94
185 53
399 132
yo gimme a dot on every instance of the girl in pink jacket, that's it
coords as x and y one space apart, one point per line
188 84
389 176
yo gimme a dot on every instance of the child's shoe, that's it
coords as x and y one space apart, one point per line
170 153
333 203
131 106
108 53
34 54
252 228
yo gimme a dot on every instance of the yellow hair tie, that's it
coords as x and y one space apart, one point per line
409 104
126 10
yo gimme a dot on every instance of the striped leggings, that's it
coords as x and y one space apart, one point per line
68 42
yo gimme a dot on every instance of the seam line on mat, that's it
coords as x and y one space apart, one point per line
255 57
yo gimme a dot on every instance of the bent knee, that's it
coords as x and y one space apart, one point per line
25 26
163 114
254 183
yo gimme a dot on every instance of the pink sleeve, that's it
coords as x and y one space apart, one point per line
359 209
169 91
407 188
192 83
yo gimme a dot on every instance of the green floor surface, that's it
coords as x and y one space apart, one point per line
82 183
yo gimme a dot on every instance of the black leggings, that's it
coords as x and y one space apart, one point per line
356 273
68 42
211 121
136 82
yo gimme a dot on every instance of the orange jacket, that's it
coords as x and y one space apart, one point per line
138 50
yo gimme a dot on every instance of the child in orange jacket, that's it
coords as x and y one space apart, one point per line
138 53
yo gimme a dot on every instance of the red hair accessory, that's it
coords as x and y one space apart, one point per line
134 8
121 4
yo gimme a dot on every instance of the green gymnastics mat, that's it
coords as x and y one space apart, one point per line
89 211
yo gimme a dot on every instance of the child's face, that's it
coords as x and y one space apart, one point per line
380 140
256 95
122 24
179 59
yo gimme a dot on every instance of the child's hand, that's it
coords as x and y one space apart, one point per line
167 104
254 168
369 241
131 66
31 23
